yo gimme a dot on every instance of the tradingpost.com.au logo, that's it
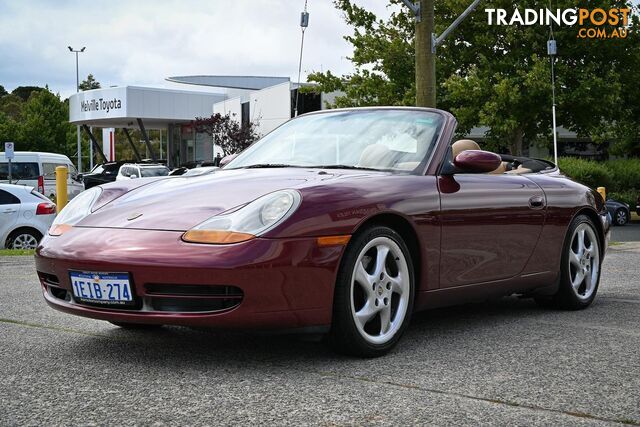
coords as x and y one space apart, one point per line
595 23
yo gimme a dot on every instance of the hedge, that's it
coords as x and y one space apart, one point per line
621 177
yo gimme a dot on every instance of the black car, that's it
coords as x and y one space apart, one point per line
620 213
101 174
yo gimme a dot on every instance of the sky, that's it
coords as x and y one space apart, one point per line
141 42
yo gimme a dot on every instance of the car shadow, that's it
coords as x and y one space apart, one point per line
175 346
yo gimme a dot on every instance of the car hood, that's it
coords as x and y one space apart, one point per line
180 203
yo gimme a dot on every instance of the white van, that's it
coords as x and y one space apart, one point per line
38 170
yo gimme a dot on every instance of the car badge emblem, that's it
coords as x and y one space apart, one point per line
134 216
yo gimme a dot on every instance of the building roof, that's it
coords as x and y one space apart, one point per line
230 82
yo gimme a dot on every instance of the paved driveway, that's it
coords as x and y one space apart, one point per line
503 362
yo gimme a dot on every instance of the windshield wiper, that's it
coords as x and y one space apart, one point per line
342 167
266 165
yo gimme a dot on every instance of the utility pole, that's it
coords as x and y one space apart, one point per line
426 42
425 56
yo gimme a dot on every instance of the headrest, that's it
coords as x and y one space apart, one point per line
463 145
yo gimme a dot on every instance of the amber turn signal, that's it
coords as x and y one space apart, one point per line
59 229
333 240
216 236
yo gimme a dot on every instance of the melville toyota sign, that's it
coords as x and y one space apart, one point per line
98 104
101 104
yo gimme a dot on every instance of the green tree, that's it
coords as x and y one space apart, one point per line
3 91
89 83
44 125
498 76
24 92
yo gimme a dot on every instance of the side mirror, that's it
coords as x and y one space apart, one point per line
79 177
133 176
477 161
226 159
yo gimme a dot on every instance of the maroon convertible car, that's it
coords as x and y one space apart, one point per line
341 222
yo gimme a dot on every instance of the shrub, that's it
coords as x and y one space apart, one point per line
621 177
588 172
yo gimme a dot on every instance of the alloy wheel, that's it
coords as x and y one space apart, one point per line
24 241
584 261
621 217
380 287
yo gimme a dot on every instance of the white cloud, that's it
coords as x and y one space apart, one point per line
142 42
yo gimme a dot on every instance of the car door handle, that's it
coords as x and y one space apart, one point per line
536 202
9 211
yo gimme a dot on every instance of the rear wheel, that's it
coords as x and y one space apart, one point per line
374 294
23 238
580 268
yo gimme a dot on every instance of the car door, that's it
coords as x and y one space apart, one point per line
9 214
490 226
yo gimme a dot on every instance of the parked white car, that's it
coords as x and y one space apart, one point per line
141 170
38 170
25 216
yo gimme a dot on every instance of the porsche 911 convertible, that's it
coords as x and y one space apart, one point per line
340 222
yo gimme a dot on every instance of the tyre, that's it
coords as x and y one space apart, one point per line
23 238
620 217
138 326
579 268
374 294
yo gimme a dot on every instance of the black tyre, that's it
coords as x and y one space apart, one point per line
579 268
23 238
620 216
374 294
137 326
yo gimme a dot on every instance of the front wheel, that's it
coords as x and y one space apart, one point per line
620 217
374 294
579 269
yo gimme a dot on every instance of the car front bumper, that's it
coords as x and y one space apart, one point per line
284 283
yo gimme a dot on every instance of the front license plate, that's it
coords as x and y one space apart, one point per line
101 288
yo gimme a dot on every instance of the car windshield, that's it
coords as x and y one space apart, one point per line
383 139
154 171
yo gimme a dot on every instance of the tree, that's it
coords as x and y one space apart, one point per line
89 83
24 92
227 132
45 124
3 91
497 76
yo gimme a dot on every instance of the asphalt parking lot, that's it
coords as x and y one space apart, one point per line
501 362
627 233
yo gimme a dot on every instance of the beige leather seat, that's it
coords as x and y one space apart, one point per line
463 145
375 156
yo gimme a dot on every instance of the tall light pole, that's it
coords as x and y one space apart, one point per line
78 90
552 51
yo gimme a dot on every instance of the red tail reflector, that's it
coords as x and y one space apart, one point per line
41 184
46 208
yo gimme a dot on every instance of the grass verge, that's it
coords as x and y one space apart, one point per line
13 252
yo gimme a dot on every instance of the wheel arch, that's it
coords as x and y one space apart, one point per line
595 218
20 229
406 230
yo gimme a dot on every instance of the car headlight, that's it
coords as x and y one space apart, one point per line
251 220
75 211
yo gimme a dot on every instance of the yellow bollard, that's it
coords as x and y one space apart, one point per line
61 187
603 192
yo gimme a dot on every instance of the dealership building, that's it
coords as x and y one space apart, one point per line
266 101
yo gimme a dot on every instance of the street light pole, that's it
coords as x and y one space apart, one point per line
78 90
